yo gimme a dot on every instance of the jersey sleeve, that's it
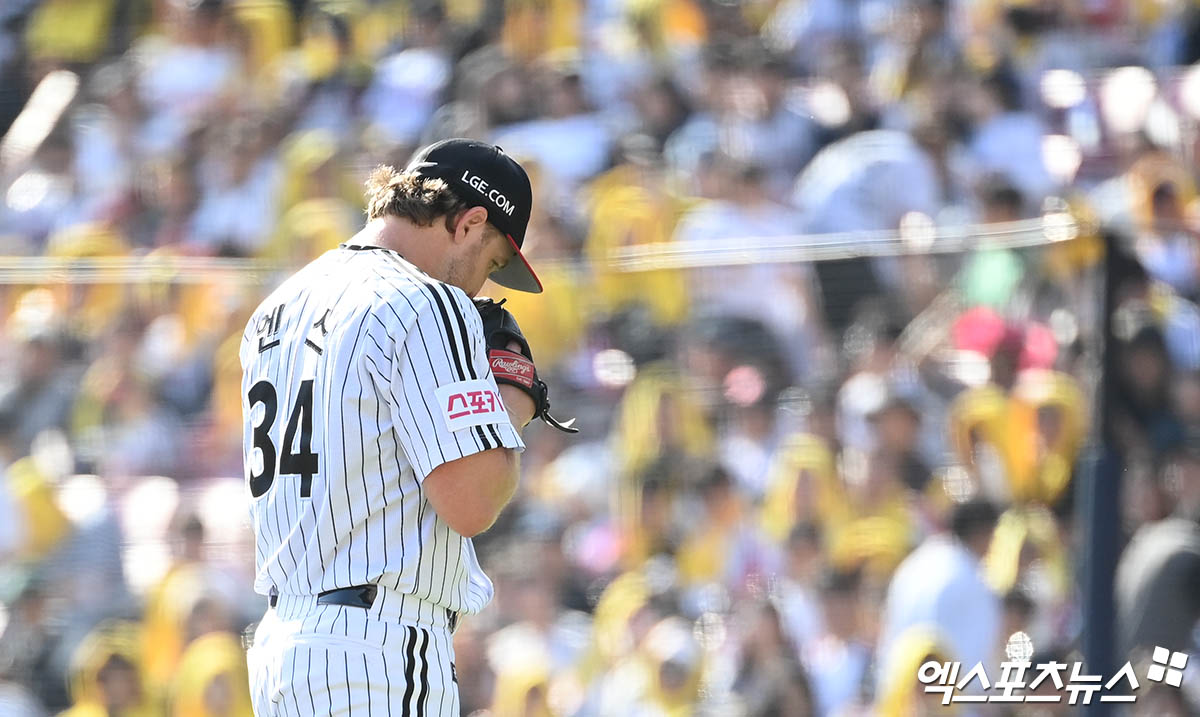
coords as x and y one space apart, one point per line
445 401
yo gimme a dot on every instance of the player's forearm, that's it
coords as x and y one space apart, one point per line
507 484
469 493
494 493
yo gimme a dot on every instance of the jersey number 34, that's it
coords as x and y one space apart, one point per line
304 462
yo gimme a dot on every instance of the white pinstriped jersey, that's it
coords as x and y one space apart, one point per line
360 375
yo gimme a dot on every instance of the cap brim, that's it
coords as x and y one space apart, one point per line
517 274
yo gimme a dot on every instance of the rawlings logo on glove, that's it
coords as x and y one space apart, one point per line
513 367
500 330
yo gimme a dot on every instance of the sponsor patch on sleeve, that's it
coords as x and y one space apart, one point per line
470 403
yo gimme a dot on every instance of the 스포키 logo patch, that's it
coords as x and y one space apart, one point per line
470 403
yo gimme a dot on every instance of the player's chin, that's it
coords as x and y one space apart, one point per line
475 287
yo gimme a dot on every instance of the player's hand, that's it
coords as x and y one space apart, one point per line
512 363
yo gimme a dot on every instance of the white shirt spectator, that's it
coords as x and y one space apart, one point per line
1172 259
573 149
782 143
940 586
748 460
808 29
867 181
241 215
698 136
768 292
1011 144
836 669
103 162
405 92
17 701
1181 330
39 203
178 83
799 612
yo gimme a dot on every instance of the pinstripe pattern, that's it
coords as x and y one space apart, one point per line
376 337
311 659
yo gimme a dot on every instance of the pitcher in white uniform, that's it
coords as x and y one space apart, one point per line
377 441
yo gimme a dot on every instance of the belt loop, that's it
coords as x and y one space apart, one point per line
451 620
273 596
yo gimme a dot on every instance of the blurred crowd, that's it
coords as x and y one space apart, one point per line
795 482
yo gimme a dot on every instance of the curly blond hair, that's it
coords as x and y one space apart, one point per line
409 196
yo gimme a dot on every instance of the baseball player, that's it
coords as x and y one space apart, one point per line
383 411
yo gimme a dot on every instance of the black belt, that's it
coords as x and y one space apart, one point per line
362 596
358 596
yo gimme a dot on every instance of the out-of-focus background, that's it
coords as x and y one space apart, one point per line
826 286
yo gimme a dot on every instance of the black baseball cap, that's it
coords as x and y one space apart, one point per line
482 175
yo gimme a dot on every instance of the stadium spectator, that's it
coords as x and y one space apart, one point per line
570 141
940 587
407 86
769 679
778 295
839 658
1159 572
1168 248
185 73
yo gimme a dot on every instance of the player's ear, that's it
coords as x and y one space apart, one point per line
470 223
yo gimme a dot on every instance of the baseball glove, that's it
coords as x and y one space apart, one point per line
500 330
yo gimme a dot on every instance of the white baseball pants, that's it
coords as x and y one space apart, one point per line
309 659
